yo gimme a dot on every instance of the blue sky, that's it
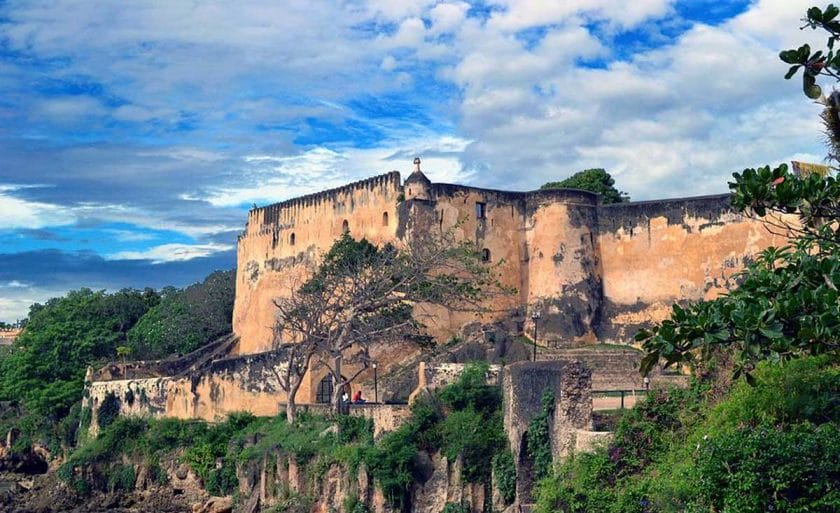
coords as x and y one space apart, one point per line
134 136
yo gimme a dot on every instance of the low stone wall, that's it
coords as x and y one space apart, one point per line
385 417
588 441
439 375
182 398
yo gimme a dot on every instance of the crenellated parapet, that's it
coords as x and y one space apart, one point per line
287 214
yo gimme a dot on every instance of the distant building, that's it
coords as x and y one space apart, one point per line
8 336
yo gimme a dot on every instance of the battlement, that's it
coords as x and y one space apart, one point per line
285 214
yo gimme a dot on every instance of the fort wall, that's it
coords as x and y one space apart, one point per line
593 272
281 244
657 253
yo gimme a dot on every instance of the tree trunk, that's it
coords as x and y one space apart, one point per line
339 406
295 381
291 411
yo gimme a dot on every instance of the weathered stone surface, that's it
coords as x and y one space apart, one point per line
594 271
523 385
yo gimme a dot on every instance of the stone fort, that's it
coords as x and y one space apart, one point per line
596 273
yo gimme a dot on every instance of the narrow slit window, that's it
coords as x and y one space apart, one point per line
385 219
485 255
345 226
480 210
292 239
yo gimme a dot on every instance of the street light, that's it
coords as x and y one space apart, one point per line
535 316
375 385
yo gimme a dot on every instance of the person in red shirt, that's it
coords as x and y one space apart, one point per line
357 397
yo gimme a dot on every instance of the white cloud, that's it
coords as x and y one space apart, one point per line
172 252
14 284
272 178
446 17
19 213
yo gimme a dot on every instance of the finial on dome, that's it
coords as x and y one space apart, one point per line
416 164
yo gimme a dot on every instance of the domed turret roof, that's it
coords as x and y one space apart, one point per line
417 175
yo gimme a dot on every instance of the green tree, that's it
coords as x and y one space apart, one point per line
47 364
595 180
185 320
362 294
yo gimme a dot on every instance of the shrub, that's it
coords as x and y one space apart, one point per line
122 478
455 507
539 436
108 411
505 471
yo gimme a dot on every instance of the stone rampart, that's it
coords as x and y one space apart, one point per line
656 253
594 272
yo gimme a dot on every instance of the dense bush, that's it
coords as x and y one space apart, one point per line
769 447
504 469
108 411
464 420
47 364
539 436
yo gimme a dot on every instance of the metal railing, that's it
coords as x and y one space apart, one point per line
634 392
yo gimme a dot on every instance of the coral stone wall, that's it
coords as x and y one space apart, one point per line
282 243
594 272
564 282
656 253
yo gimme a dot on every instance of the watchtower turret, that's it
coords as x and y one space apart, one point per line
417 185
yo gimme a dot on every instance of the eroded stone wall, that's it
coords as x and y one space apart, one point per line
282 242
656 253
523 386
594 272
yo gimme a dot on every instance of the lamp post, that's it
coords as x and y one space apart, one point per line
375 385
535 316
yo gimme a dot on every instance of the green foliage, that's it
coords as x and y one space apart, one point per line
122 478
539 436
46 368
594 180
820 62
186 319
456 507
352 504
222 481
770 469
756 450
504 468
108 411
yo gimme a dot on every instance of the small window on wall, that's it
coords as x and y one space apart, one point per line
292 239
385 219
485 255
345 226
325 390
480 210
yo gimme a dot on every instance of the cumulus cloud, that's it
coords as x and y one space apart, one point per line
177 116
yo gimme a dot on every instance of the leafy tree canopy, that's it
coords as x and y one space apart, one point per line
185 320
595 180
47 364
